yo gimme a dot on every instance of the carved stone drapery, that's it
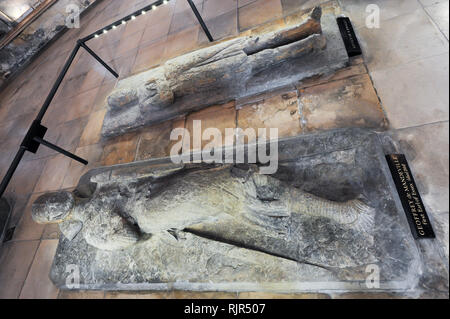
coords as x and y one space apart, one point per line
226 71
316 225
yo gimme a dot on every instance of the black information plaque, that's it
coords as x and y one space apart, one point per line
348 35
409 195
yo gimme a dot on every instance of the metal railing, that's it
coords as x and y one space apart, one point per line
36 133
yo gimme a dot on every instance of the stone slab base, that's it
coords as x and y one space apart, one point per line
329 256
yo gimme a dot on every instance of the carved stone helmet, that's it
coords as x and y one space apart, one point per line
52 208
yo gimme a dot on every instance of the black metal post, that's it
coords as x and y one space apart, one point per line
200 20
57 83
11 170
60 150
98 58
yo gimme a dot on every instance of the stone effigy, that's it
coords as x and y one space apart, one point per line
229 70
228 203
317 224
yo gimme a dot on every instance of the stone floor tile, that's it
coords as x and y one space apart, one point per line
53 174
71 86
134 27
72 294
94 78
19 205
27 228
258 12
155 141
120 150
415 93
440 223
113 36
242 3
69 133
124 65
26 177
149 56
21 125
57 113
329 7
356 9
15 262
220 27
129 42
38 284
181 42
4 109
427 3
91 153
427 151
278 111
51 231
220 117
181 5
84 62
292 6
92 132
405 39
351 102
439 14
215 8
183 20
106 53
411 90
21 107
271 26
158 24
81 105
9 149
103 92
4 129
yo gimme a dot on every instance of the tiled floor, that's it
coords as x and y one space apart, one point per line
406 58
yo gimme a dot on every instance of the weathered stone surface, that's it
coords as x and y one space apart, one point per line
280 110
120 150
232 69
122 98
350 102
155 142
314 226
70 228
220 117
357 69
52 208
